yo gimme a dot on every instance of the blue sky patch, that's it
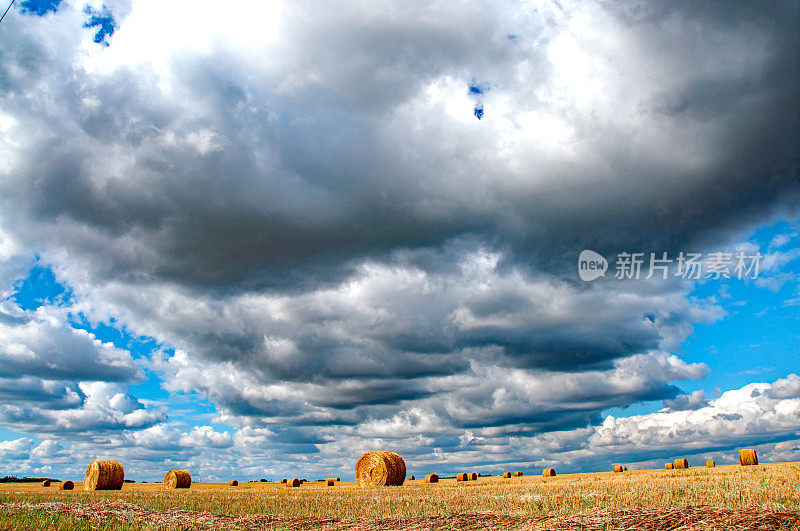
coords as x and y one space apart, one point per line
39 7
116 333
104 21
756 340
40 287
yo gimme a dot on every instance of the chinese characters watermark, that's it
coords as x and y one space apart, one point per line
688 266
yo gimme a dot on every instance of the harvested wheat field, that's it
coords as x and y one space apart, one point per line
762 496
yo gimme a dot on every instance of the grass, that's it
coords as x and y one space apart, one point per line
770 486
43 522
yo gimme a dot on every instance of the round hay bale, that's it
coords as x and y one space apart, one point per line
104 475
411 478
549 472
472 476
506 474
462 476
624 468
710 464
46 483
330 482
748 457
681 463
517 473
283 480
379 469
177 479
234 483
432 478
618 468
66 485
294 482
669 466
338 479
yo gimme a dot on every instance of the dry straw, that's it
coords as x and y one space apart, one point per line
711 464
104 475
517 473
380 469
549 472
234 483
473 476
177 479
506 474
748 457
66 485
330 482
432 478
462 476
294 482
46 483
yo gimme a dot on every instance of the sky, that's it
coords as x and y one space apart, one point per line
255 240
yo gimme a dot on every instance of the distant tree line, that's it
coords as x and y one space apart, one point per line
14 479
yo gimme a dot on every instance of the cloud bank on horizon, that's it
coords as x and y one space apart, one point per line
281 234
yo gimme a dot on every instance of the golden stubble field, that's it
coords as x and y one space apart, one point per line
766 487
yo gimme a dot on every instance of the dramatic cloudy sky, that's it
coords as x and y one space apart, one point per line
255 239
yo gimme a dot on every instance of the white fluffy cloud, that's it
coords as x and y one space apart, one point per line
48 449
58 379
738 417
788 387
16 449
741 417
693 400
42 344
106 407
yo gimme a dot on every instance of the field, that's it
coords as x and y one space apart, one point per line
726 497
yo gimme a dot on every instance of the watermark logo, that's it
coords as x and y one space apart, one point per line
591 265
688 266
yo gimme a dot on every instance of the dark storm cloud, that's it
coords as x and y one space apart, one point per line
55 395
388 326
370 393
334 190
